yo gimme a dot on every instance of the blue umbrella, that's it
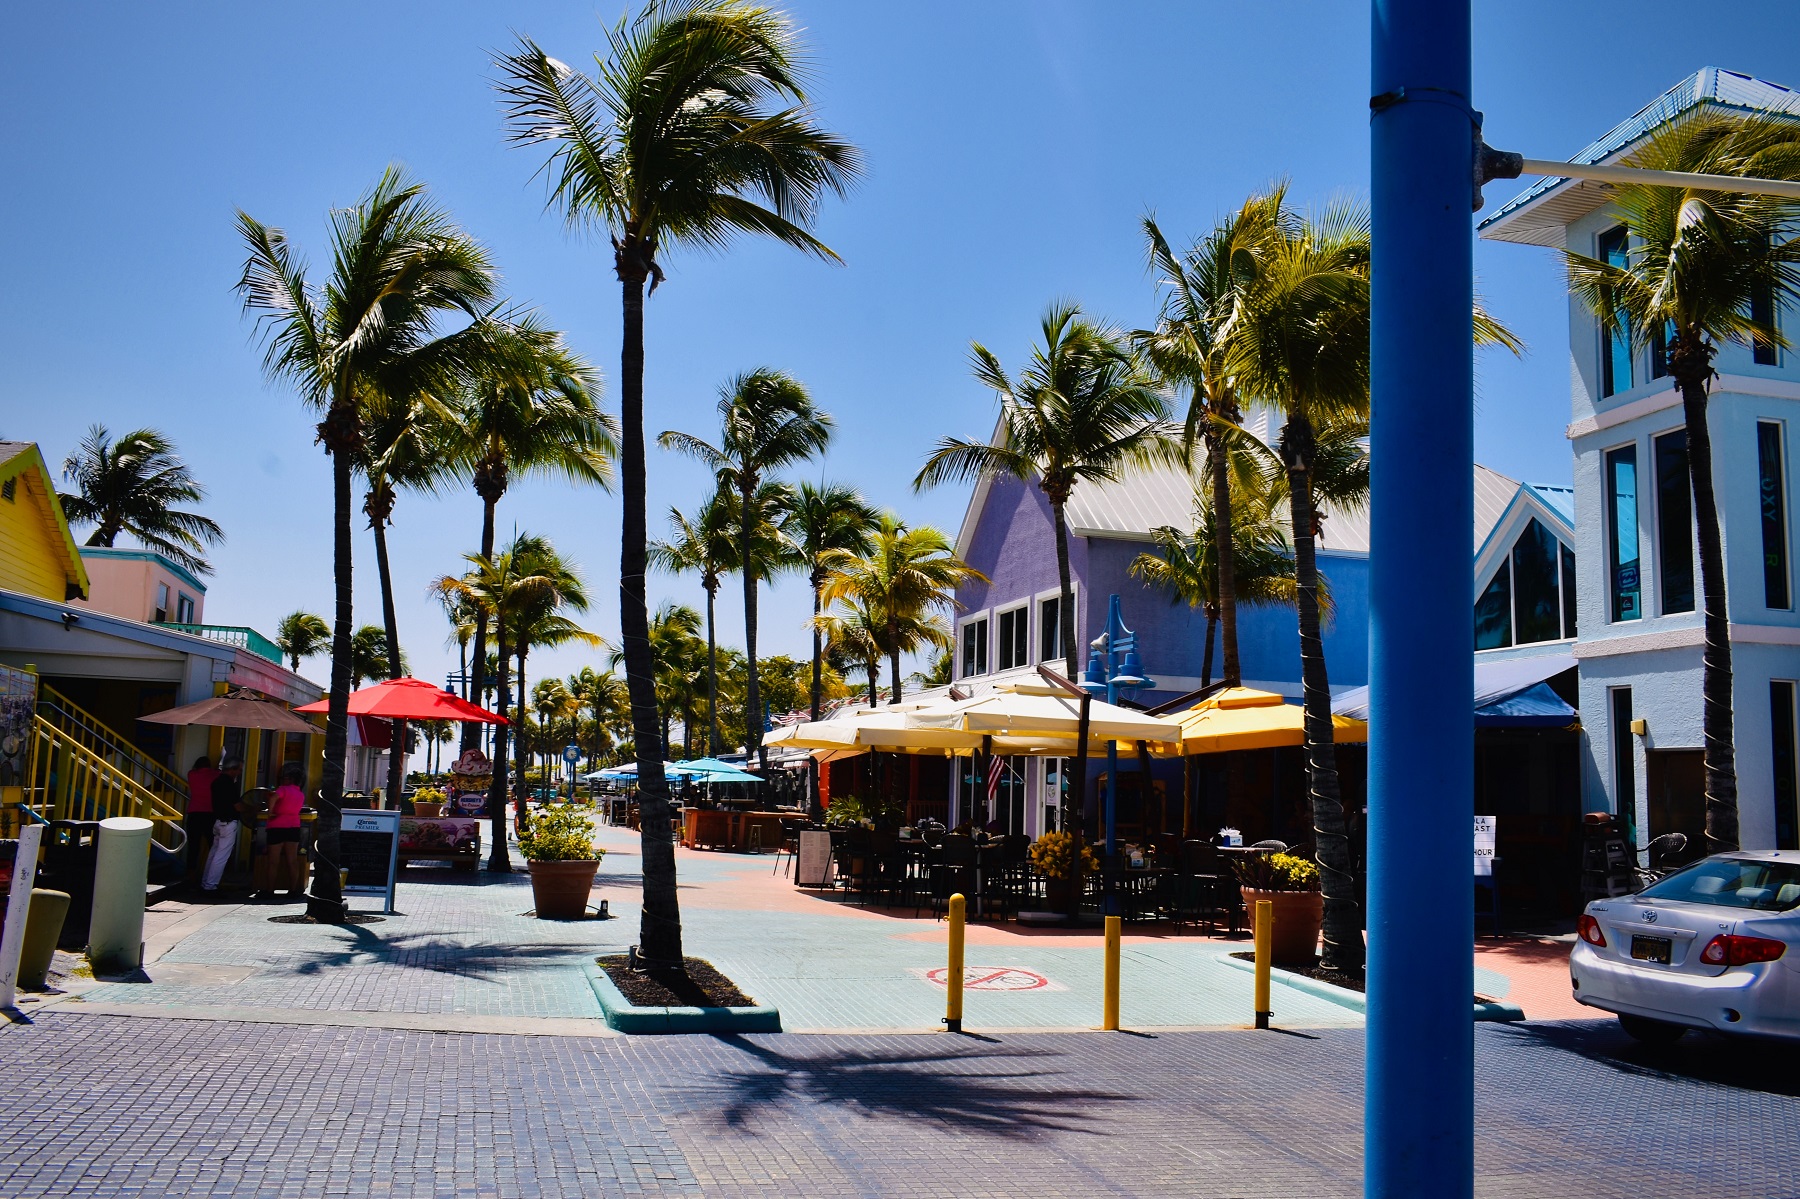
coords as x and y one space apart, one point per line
712 770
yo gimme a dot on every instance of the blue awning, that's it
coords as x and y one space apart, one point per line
1536 707
1511 693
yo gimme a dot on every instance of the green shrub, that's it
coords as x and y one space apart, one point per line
1277 872
559 833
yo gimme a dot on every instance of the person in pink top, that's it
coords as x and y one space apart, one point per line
199 819
283 828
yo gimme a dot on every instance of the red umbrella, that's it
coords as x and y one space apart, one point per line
411 699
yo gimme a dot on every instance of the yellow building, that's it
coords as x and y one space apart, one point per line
37 555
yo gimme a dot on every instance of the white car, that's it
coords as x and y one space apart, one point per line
1714 946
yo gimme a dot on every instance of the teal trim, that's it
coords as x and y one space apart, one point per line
240 636
174 568
624 1016
1484 1010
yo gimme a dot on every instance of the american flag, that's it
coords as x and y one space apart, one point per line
995 768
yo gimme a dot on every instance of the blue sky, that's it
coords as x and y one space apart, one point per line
1012 148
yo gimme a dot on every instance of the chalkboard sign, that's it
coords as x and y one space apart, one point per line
369 847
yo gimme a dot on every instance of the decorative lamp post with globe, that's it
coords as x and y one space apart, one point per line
1113 666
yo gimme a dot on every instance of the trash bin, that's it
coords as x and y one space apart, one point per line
71 852
43 925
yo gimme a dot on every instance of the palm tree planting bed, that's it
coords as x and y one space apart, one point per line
702 1000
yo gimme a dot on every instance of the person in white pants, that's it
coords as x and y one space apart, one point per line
226 797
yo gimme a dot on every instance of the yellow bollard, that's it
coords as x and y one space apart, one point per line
1265 936
1109 1019
953 980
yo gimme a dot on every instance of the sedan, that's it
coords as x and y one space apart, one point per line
1713 946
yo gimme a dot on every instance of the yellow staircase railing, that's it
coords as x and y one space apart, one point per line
100 739
65 780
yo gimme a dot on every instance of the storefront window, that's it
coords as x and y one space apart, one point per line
1615 350
1493 612
1674 524
1537 604
1624 757
1782 744
1622 532
1014 642
1773 480
1050 630
975 648
1568 591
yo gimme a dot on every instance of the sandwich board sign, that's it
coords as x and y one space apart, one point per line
18 907
1484 846
369 846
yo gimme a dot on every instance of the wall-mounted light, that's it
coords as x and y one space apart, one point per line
69 619
1641 727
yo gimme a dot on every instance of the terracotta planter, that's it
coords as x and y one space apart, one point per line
1061 894
421 808
561 888
1298 915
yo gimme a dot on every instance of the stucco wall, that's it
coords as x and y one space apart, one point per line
125 585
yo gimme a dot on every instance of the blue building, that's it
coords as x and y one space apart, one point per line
1635 624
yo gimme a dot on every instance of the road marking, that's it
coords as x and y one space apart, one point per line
991 978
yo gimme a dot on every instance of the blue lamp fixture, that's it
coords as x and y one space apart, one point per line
1113 666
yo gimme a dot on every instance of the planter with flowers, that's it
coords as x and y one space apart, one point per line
1054 856
1290 884
429 801
558 842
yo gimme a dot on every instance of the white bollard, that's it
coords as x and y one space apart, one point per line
116 932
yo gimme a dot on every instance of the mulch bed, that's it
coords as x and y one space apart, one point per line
700 986
1350 982
352 918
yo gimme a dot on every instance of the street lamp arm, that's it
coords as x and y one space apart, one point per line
1636 175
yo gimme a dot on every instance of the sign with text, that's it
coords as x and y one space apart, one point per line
815 866
1484 846
369 848
18 907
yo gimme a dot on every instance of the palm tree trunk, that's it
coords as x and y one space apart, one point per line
874 682
520 757
1692 367
712 673
471 733
1224 555
659 929
753 715
894 658
499 861
462 664
1343 941
391 623
326 902
818 658
1065 606
1212 623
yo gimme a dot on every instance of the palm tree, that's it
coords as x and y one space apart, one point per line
1188 567
132 486
767 422
698 110
1190 347
551 700
462 616
301 635
1703 268
537 619
532 410
906 578
602 694
853 636
824 519
677 654
399 267
705 545
939 672
1084 409
369 656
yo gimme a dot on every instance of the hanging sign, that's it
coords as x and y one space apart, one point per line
369 848
1484 846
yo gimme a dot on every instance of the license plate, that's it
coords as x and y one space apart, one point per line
1651 949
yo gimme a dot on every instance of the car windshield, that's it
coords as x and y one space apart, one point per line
1733 883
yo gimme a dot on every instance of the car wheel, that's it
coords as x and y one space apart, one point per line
1651 1032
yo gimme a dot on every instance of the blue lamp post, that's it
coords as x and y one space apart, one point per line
1113 666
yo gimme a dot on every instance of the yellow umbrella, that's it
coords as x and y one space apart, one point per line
1037 712
1244 718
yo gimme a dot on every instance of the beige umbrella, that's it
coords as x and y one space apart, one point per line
234 712
1037 712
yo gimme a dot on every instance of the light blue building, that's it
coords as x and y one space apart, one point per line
1634 624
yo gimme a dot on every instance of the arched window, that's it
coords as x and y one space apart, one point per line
1530 596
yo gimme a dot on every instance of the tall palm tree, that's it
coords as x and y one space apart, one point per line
1190 347
551 701
939 673
824 519
906 579
677 654
707 546
1704 268
697 111
1187 565
132 486
461 615
375 330
602 694
767 421
854 636
538 618
370 657
533 409
301 635
1083 409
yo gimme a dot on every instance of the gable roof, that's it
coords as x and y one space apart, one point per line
23 466
1540 215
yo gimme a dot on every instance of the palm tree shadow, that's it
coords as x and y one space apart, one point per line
421 951
1004 1093
1769 1067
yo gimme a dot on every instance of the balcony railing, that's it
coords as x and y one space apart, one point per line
238 635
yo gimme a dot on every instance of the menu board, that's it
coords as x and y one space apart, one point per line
368 847
1484 846
18 703
815 866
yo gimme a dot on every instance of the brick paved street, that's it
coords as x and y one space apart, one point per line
103 1106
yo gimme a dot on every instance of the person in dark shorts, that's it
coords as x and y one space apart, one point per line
283 830
198 822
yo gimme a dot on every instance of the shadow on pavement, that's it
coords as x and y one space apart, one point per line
422 951
1008 1094
1771 1067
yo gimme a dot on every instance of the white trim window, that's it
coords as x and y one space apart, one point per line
1048 606
972 646
1012 636
1530 597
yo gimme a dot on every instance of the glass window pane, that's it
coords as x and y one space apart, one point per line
1615 350
1568 591
1787 783
1013 642
1674 523
1622 533
1762 311
1624 758
1050 630
975 648
1774 514
1537 605
1493 612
